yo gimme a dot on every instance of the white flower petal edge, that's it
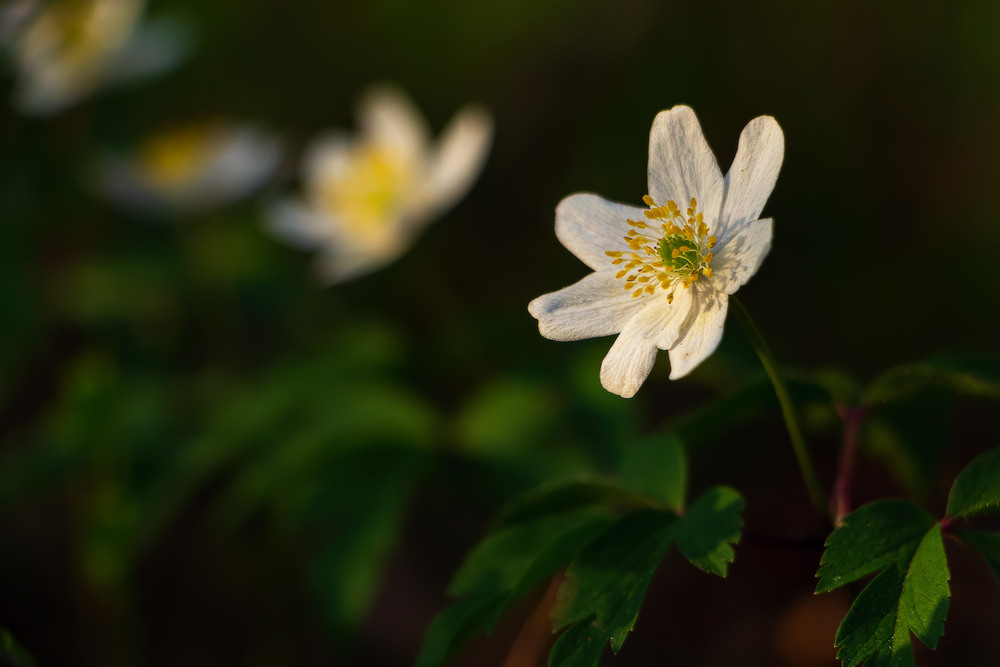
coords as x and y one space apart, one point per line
388 117
702 333
588 225
595 306
742 255
681 163
752 176
456 162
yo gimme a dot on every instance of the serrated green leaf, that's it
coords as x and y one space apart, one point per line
871 538
977 488
607 580
966 373
581 645
658 467
705 534
988 544
565 495
910 596
502 568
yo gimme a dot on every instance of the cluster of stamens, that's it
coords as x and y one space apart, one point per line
667 249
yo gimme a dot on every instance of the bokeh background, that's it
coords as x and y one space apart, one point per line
208 459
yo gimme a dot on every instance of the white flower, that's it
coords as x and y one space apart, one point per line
663 275
65 50
366 198
191 168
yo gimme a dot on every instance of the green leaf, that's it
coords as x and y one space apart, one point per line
581 645
658 467
12 654
502 568
962 372
910 596
977 488
455 626
988 544
607 581
564 495
705 534
871 538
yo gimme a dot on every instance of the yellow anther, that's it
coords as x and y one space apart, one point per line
650 289
674 253
617 261
613 253
635 294
684 249
707 272
702 229
707 258
672 205
694 203
621 274
688 234
649 200
711 242
700 217
670 297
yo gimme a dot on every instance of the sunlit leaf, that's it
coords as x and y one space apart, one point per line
607 581
870 539
976 490
706 533
909 596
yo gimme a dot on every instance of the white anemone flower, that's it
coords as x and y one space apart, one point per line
663 275
65 50
366 198
191 168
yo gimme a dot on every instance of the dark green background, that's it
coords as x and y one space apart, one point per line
204 456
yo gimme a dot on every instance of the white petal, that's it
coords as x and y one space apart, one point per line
457 160
681 164
596 306
387 116
702 332
630 359
296 225
155 47
673 317
753 174
327 154
589 225
244 160
742 255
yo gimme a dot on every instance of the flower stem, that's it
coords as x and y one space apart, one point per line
787 409
841 500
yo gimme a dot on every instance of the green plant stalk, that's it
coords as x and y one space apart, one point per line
785 400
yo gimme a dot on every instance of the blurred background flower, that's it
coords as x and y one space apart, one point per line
367 198
206 461
65 49
191 168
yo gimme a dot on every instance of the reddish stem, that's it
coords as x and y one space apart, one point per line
840 501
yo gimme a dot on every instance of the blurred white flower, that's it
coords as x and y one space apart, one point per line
65 50
366 198
191 168
662 276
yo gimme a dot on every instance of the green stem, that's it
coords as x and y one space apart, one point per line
787 409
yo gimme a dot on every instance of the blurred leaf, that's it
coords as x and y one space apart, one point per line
11 654
580 645
988 544
502 568
962 372
658 467
564 495
606 584
911 595
976 490
505 415
455 626
870 539
706 533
